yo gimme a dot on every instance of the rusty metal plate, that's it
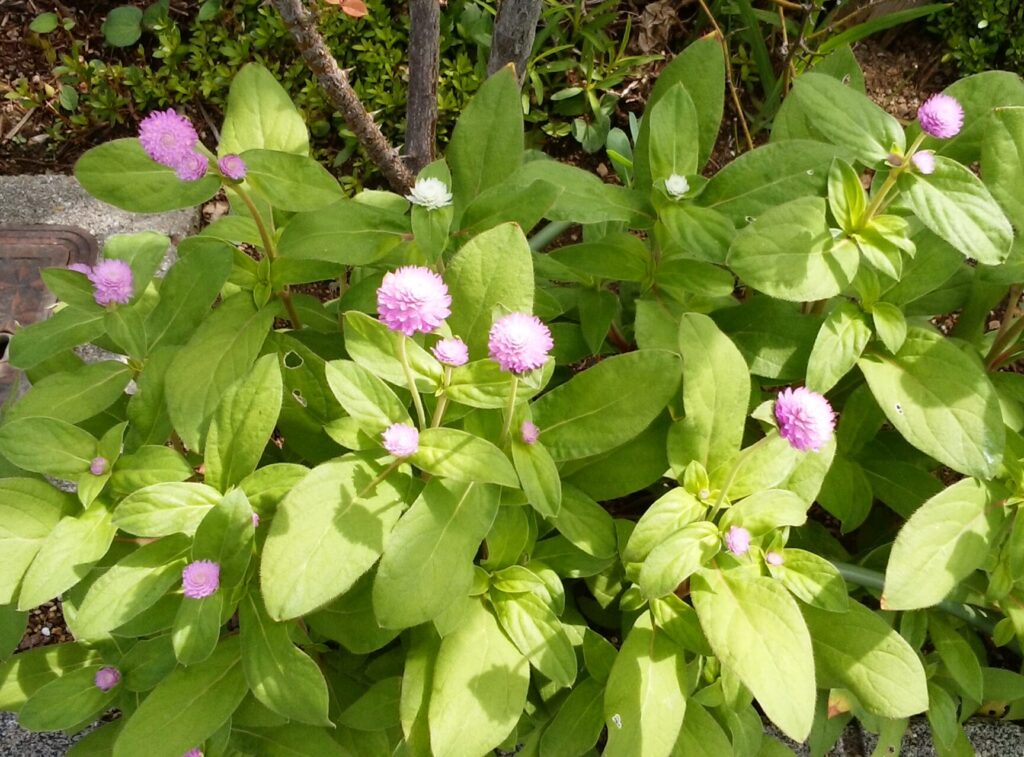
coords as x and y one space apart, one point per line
24 251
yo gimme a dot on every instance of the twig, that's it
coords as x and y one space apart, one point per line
335 84
729 76
424 57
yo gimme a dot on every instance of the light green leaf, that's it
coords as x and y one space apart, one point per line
365 397
27 672
766 510
68 328
673 134
538 633
479 687
846 197
860 652
944 541
1002 161
291 740
461 456
243 424
670 512
374 346
350 620
260 115
186 293
73 396
290 181
165 508
957 656
576 727
600 409
940 399
66 702
539 477
332 511
677 557
812 579
890 324
29 510
586 524
755 628
346 233
839 344
47 445
428 560
702 736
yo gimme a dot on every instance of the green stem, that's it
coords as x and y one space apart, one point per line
268 248
403 357
548 234
1009 329
728 482
383 474
507 428
890 182
442 401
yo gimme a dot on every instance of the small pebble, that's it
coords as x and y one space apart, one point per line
44 631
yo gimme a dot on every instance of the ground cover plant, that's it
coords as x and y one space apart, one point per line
495 496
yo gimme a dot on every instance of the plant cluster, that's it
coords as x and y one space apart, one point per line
983 35
491 496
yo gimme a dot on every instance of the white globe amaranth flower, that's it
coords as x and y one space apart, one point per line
676 186
431 194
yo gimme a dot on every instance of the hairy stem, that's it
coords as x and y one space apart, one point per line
507 428
403 356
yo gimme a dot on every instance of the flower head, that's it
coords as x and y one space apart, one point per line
192 167
193 753
107 678
232 166
430 194
111 282
98 466
773 558
941 116
255 520
924 161
453 352
737 540
167 137
676 186
529 432
519 342
401 439
200 579
413 299
805 418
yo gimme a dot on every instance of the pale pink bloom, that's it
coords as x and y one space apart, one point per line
737 540
453 352
167 138
413 299
401 439
111 282
107 678
519 342
192 167
773 558
941 116
98 466
924 161
530 432
805 418
232 166
200 579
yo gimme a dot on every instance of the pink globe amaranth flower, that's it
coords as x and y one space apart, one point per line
924 161
737 540
193 753
413 299
167 137
200 579
112 282
192 167
805 418
107 678
453 352
401 439
80 268
98 466
941 116
232 166
529 432
519 342
773 558
255 520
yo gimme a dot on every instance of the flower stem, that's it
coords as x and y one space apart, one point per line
268 248
1009 329
507 428
442 401
383 474
403 357
890 182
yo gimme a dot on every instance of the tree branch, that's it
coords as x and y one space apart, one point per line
421 108
512 39
334 82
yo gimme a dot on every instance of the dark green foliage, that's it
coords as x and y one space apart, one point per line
983 35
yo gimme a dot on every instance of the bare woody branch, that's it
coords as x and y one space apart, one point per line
514 32
333 80
421 109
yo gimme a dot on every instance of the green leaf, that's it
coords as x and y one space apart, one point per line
790 253
290 181
346 233
290 740
812 579
149 464
29 510
941 400
186 294
365 397
839 344
860 652
645 698
123 26
586 524
482 383
576 727
956 206
329 513
766 510
12 629
669 513
600 409
67 555
890 324
844 117
122 174
377 709
944 541
615 256
279 674
1002 161
73 396
375 347
768 176
538 633
461 456
957 656
486 146
350 619
260 115
846 197
428 559
27 672
716 392
243 424
583 197
755 628
479 687
130 587
196 628
47 445
226 345
44 23
68 328
165 508
678 557
673 134
979 95
538 475
490 273
65 703
187 707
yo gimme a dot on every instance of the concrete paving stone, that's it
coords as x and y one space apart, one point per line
14 742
